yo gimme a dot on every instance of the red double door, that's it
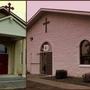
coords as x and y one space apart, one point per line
3 63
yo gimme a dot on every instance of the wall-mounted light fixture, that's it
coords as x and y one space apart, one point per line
31 38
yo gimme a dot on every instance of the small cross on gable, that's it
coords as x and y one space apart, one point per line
9 7
46 23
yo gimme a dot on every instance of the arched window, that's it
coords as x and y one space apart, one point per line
3 49
46 47
85 52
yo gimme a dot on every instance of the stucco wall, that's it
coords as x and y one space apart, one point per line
65 32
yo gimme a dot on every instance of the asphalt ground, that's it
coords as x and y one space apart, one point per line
37 86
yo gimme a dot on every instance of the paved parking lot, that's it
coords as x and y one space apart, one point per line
36 86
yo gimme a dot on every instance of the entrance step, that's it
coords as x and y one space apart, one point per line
12 82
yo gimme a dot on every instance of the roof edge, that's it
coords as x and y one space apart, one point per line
14 15
63 11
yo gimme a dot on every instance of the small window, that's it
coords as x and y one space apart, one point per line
85 52
3 49
46 47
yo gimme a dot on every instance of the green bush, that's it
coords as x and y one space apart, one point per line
86 77
61 74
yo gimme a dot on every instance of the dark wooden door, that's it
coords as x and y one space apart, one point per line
49 63
42 63
46 63
3 63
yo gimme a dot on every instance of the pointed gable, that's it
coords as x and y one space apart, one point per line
11 24
43 11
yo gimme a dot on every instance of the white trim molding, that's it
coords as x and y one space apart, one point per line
84 66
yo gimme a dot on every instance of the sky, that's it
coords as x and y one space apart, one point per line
19 7
33 6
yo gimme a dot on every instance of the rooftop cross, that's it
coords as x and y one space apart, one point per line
9 7
45 23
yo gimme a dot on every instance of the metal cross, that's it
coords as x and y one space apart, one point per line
9 7
46 23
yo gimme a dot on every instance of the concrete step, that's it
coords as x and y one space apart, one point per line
12 82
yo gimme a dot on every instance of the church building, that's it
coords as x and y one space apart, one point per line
12 50
58 40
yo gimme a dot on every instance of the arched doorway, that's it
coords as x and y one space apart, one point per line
3 59
46 59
